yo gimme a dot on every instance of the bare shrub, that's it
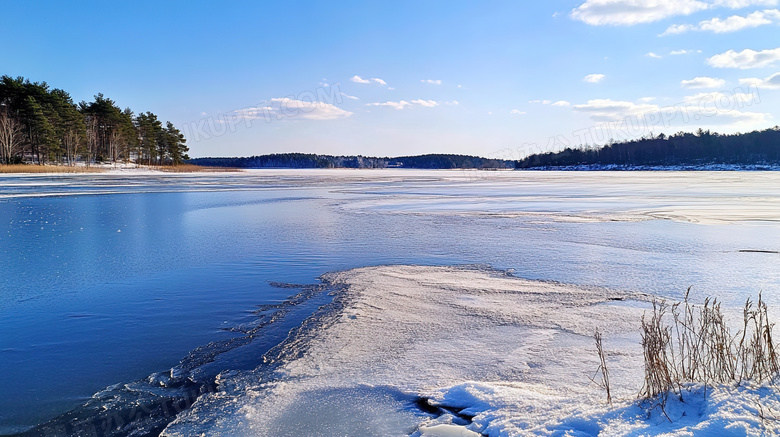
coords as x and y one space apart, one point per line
604 383
693 344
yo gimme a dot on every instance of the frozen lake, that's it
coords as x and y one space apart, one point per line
108 278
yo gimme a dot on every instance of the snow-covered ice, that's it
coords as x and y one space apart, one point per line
494 354
490 354
431 333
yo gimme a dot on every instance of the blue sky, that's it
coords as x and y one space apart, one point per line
495 78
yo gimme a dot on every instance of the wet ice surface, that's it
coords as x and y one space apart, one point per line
109 278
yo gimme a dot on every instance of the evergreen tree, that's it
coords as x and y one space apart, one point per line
177 149
55 129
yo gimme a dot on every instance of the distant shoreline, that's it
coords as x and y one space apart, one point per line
681 167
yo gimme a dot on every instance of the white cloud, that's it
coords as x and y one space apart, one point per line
517 112
675 29
647 99
307 110
733 23
426 103
738 4
630 12
349 97
594 78
653 55
404 104
611 110
431 81
550 102
683 52
452 103
724 99
772 82
703 82
745 59
395 105
284 107
719 108
358 79
723 109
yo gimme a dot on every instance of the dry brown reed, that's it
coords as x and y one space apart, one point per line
604 383
688 343
32 168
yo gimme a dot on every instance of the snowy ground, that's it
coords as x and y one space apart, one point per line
497 355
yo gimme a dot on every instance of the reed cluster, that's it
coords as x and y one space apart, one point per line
31 168
687 343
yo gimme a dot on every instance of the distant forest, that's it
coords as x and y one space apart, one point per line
41 125
681 149
305 160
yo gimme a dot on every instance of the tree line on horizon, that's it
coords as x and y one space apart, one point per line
310 160
40 125
681 149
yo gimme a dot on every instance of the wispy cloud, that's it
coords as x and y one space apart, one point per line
432 81
653 55
405 104
347 96
738 4
594 78
358 79
395 105
631 12
426 103
611 110
550 102
733 23
745 59
517 112
683 52
286 108
703 82
771 82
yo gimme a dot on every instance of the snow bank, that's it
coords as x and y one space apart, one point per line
514 354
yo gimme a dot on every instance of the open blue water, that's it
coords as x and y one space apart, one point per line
110 278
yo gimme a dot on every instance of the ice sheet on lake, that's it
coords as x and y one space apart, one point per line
705 197
700 197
